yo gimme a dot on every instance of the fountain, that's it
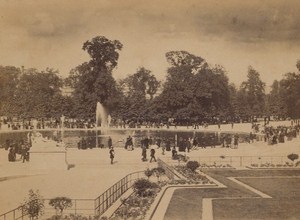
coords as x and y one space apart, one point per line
101 116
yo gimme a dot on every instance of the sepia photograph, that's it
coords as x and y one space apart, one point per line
149 110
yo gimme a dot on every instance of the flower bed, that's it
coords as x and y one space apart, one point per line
204 165
192 177
271 165
136 206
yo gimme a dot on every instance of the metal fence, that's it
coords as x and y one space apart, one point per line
169 171
85 207
234 161
17 213
106 199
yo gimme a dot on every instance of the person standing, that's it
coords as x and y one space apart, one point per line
109 142
112 155
144 154
163 148
152 155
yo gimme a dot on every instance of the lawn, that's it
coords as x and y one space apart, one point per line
252 209
277 188
285 193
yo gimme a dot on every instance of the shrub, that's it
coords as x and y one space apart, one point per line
144 187
293 157
148 173
60 203
192 165
158 171
76 217
34 205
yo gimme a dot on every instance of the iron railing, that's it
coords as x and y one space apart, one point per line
86 207
169 170
234 161
106 199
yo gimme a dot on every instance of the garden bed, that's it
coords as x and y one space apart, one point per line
216 166
287 165
139 202
191 177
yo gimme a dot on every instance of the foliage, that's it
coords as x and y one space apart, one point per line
293 157
134 207
191 176
37 95
148 173
290 91
144 188
276 105
192 89
33 206
158 172
9 79
60 203
139 90
93 81
252 95
76 217
192 165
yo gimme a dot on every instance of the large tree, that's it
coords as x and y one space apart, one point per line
139 90
193 89
9 78
178 90
37 94
290 90
93 81
276 105
253 94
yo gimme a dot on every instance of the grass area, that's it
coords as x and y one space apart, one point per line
252 173
277 188
254 209
187 203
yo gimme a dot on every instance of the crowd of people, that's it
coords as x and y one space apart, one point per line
280 134
70 123
182 143
20 147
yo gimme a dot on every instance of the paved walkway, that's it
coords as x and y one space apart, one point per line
90 177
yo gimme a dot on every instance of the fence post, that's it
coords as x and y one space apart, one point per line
272 160
22 212
75 207
241 161
95 206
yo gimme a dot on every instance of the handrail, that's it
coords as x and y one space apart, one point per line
106 199
101 203
170 172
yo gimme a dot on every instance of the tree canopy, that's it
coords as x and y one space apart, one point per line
193 90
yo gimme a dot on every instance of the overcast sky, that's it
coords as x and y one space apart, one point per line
232 33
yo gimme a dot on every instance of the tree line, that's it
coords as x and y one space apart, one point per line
193 90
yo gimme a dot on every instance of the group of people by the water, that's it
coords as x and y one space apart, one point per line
20 147
77 123
173 144
280 134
